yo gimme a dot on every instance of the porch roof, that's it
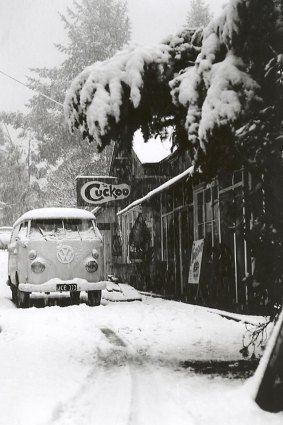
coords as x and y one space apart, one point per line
159 189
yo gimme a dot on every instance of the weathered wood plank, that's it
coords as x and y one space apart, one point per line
269 375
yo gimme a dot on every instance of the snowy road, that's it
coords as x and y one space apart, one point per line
119 363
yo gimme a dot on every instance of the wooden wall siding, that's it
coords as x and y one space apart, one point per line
174 217
155 275
141 177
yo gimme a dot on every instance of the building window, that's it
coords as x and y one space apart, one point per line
164 239
234 224
206 204
167 200
174 201
128 221
140 240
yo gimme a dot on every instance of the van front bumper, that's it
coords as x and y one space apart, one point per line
58 285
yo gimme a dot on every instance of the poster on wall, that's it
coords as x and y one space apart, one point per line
196 259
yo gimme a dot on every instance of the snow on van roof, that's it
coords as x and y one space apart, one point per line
46 213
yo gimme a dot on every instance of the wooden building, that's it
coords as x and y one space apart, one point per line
141 178
179 237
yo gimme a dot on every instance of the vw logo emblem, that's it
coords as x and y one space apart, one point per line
65 254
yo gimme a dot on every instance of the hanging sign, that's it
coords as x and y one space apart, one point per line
97 191
196 259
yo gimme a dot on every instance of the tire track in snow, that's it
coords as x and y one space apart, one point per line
105 396
148 387
113 337
102 398
125 354
128 353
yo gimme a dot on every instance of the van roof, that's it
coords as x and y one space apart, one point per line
49 213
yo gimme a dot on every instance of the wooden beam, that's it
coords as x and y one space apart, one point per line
269 374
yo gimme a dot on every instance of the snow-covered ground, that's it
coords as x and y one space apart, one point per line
120 363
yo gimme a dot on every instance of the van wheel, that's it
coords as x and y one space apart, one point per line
14 293
13 289
22 299
75 298
94 298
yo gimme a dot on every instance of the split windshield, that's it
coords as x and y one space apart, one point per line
50 229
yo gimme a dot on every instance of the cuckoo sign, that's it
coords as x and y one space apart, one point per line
96 192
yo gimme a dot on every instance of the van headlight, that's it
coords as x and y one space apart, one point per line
37 267
91 266
95 254
32 254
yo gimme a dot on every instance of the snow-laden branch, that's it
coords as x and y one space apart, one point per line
209 84
218 90
230 92
96 94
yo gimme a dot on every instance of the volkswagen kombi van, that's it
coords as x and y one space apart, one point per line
55 250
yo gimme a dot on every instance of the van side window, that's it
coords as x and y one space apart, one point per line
23 230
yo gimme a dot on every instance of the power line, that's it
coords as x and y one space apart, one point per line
23 84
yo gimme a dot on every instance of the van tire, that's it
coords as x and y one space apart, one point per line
13 289
75 298
22 299
94 298
14 293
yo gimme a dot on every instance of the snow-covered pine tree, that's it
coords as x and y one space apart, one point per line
19 189
260 144
95 29
135 91
199 14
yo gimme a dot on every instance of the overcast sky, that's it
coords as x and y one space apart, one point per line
29 29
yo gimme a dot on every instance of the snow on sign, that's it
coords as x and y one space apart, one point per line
196 259
98 190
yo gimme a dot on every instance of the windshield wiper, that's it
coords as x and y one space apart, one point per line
79 232
41 231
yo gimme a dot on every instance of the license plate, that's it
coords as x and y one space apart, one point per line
65 287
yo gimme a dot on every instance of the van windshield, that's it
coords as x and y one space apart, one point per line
54 229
